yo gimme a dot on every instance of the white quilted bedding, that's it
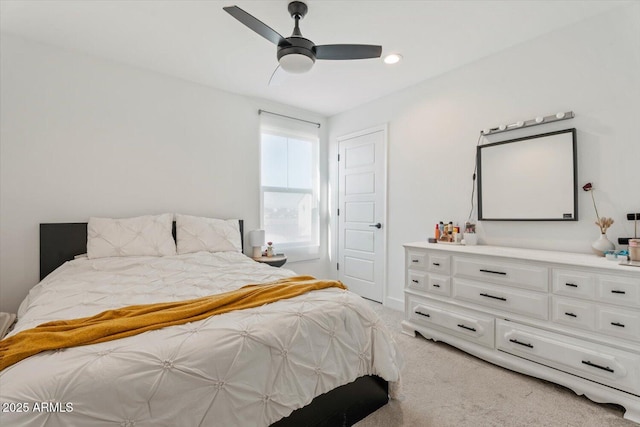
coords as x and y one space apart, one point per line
244 368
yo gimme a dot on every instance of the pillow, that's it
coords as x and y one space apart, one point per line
148 235
195 234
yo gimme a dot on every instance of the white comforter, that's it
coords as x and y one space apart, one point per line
244 368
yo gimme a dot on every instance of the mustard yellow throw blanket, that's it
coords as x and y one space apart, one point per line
124 322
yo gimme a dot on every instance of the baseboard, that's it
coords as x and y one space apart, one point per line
394 303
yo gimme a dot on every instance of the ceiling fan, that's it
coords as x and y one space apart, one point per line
297 54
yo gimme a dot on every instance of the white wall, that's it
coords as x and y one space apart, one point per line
592 68
81 137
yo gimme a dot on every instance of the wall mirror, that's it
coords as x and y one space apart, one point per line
529 179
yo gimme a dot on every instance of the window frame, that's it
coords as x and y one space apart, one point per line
296 251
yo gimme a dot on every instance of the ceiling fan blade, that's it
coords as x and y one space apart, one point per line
348 51
256 25
278 77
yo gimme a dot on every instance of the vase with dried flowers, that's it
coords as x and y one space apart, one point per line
603 244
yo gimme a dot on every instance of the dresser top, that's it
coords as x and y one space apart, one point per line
557 257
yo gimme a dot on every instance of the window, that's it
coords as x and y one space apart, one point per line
289 187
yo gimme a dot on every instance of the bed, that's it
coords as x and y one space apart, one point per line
320 359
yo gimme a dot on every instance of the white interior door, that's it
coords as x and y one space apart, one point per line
362 212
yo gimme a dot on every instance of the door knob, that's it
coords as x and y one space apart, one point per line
378 225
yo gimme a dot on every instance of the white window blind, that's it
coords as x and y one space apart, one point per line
289 187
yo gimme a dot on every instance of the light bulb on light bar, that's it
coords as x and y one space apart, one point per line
392 58
536 121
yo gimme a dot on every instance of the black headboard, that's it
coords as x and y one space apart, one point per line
60 242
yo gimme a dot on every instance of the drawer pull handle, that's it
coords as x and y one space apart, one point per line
415 260
618 292
422 314
466 327
604 368
493 296
521 343
415 281
571 314
437 264
493 272
435 285
573 285
617 324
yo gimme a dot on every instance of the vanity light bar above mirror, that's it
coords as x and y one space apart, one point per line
540 120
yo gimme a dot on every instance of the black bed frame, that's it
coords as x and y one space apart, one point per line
343 406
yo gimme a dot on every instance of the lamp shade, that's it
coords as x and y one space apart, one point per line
256 238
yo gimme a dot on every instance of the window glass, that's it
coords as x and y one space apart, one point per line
287 217
274 160
300 166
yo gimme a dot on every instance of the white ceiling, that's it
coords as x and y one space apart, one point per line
199 42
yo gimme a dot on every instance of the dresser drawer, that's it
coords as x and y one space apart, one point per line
613 367
440 285
417 279
514 274
577 313
439 264
416 259
619 290
504 298
574 283
464 324
619 322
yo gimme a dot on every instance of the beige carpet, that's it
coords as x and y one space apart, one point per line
444 386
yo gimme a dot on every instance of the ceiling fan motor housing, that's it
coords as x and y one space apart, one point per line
297 57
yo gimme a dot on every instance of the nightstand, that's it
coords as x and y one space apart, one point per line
278 260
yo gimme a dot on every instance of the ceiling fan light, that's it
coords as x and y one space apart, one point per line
296 63
392 58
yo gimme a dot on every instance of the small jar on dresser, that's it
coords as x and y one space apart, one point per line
573 319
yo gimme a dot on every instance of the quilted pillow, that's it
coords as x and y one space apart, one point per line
195 234
144 235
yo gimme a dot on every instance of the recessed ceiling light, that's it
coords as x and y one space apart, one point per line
392 58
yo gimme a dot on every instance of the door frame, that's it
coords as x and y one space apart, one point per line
384 128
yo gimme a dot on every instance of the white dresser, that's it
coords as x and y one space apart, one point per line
573 319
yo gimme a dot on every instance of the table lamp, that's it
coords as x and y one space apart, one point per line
256 239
